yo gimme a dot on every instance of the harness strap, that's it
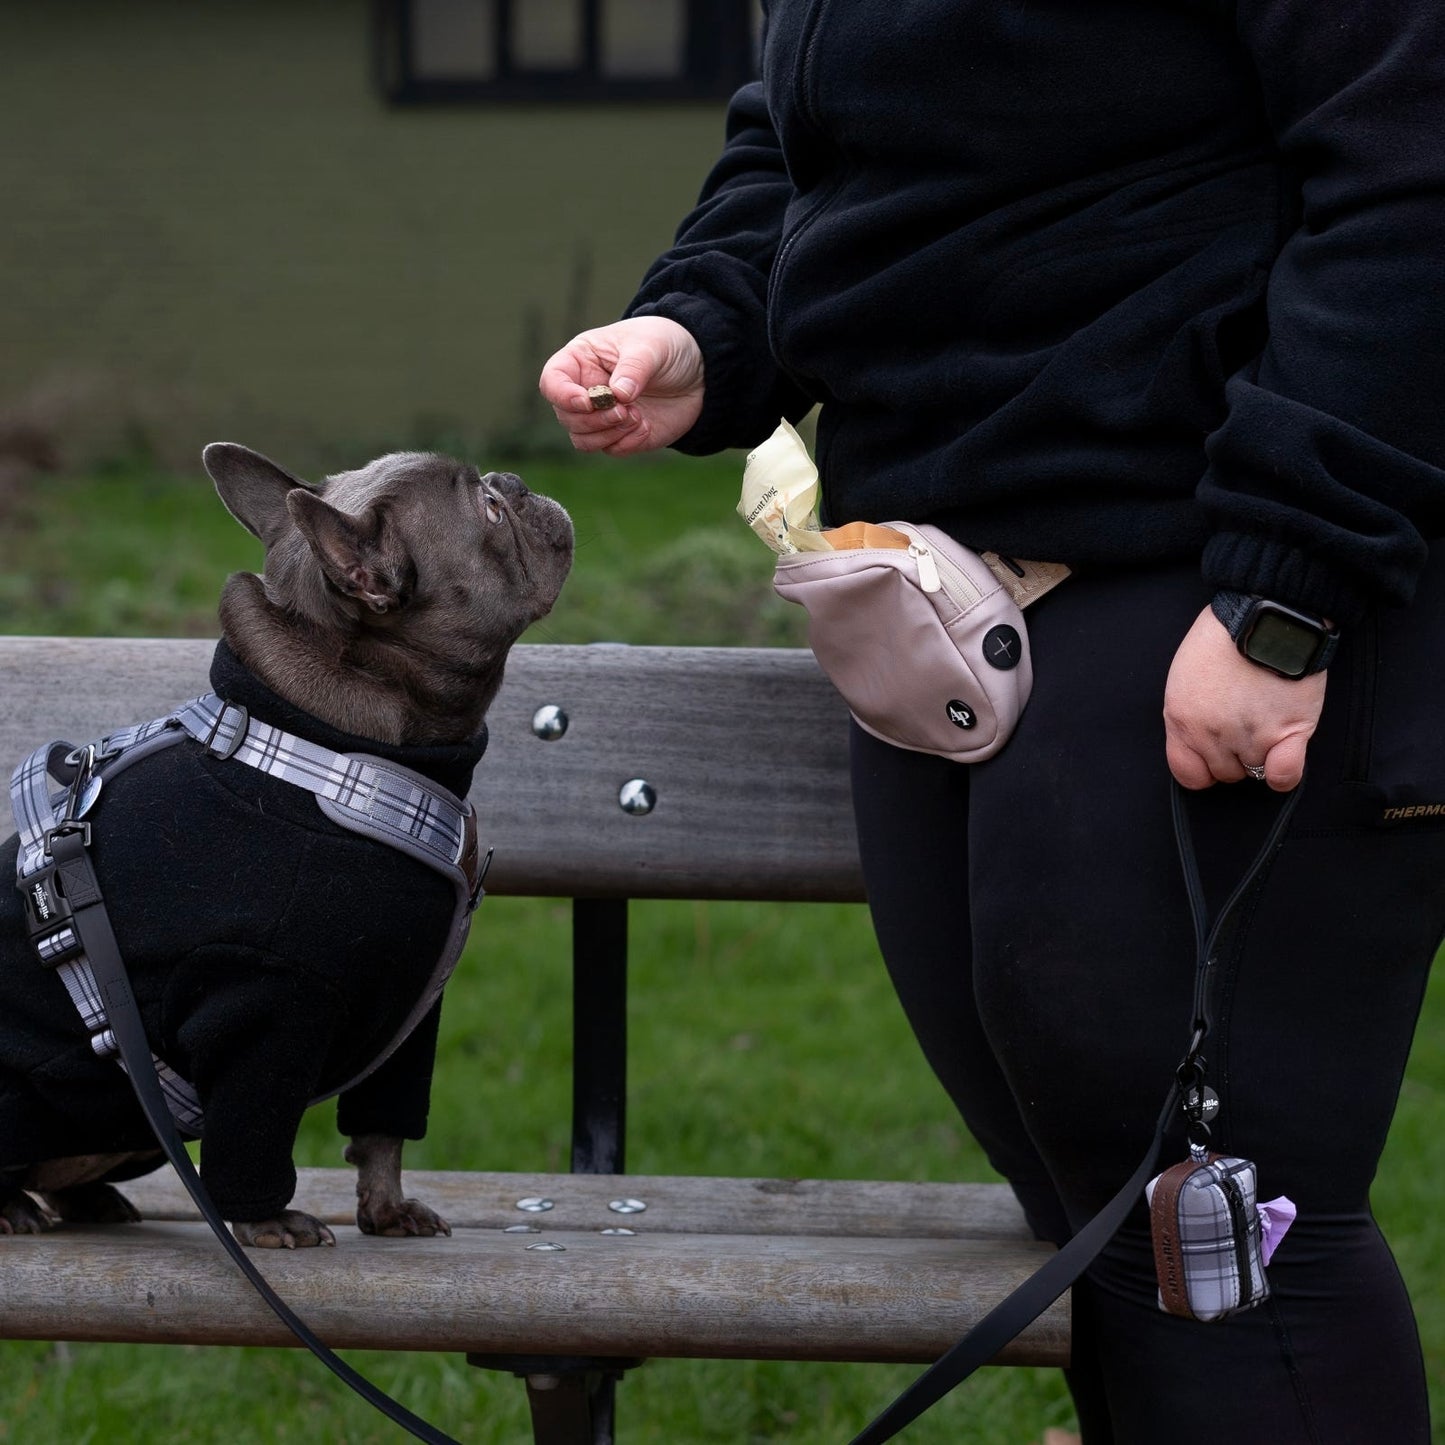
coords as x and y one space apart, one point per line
37 813
369 795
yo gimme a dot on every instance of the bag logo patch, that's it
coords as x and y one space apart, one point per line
960 714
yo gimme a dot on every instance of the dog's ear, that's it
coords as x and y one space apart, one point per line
357 553
253 488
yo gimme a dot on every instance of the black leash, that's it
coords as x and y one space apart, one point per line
67 845
1017 1311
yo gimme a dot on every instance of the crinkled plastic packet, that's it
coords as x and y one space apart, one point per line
780 494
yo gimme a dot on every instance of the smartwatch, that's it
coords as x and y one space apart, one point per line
1288 642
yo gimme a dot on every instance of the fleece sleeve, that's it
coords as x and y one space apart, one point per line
256 1042
395 1097
1325 478
714 282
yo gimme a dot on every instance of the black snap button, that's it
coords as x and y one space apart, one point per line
1003 648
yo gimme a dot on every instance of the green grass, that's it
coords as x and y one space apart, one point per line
661 554
764 1039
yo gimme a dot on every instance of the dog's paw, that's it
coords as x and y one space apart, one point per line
399 1218
20 1214
291 1229
91 1204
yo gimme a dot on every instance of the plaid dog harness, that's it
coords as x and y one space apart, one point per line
367 795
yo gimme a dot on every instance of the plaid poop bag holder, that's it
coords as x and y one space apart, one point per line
1208 1238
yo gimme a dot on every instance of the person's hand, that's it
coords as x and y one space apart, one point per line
1224 714
654 368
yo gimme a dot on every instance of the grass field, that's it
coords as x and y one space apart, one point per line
765 1039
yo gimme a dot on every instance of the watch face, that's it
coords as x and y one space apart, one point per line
1282 643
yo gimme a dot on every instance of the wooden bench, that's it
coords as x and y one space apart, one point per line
613 773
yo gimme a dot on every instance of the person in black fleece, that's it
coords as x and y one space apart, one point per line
1155 288
263 1004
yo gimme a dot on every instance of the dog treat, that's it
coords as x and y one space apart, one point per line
780 494
601 398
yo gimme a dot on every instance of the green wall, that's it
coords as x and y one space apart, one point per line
209 220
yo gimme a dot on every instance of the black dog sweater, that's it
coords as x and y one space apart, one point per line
274 955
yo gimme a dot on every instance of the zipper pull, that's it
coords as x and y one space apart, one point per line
928 577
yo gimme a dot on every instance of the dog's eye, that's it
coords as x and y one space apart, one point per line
492 507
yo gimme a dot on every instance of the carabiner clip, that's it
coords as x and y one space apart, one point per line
79 796
1192 1064
1197 1102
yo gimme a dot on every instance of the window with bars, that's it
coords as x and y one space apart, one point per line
540 50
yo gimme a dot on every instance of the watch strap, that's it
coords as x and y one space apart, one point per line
1236 610
1232 609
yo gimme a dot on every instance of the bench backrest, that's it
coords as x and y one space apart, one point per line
744 750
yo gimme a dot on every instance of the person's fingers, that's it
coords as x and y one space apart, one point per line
590 435
1285 765
652 367
1224 716
1189 767
635 370
565 378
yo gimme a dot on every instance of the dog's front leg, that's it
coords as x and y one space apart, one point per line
380 1206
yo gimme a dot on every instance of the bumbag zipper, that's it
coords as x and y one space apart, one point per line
937 573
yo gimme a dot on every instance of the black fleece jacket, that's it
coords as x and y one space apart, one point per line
273 953
1102 283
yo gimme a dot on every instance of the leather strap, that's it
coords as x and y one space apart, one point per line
1168 1248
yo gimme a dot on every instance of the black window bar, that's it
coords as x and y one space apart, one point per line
451 52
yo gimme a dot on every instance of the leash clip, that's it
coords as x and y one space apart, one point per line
79 798
83 786
1191 1066
1198 1103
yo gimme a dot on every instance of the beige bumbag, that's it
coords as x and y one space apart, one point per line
924 642
924 639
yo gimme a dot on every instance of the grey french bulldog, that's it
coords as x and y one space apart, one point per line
274 954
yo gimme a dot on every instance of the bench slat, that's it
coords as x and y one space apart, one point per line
674 1204
707 1296
774 823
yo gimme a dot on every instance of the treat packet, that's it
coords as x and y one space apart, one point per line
780 503
780 494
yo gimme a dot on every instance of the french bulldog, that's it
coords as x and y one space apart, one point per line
273 954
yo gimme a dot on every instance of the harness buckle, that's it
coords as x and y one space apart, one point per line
238 735
48 917
65 829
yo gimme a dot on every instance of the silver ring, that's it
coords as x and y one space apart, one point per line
1255 771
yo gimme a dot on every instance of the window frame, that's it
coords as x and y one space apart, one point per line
718 56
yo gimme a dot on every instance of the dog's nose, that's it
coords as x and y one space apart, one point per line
509 484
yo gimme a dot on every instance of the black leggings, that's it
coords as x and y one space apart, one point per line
1032 916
